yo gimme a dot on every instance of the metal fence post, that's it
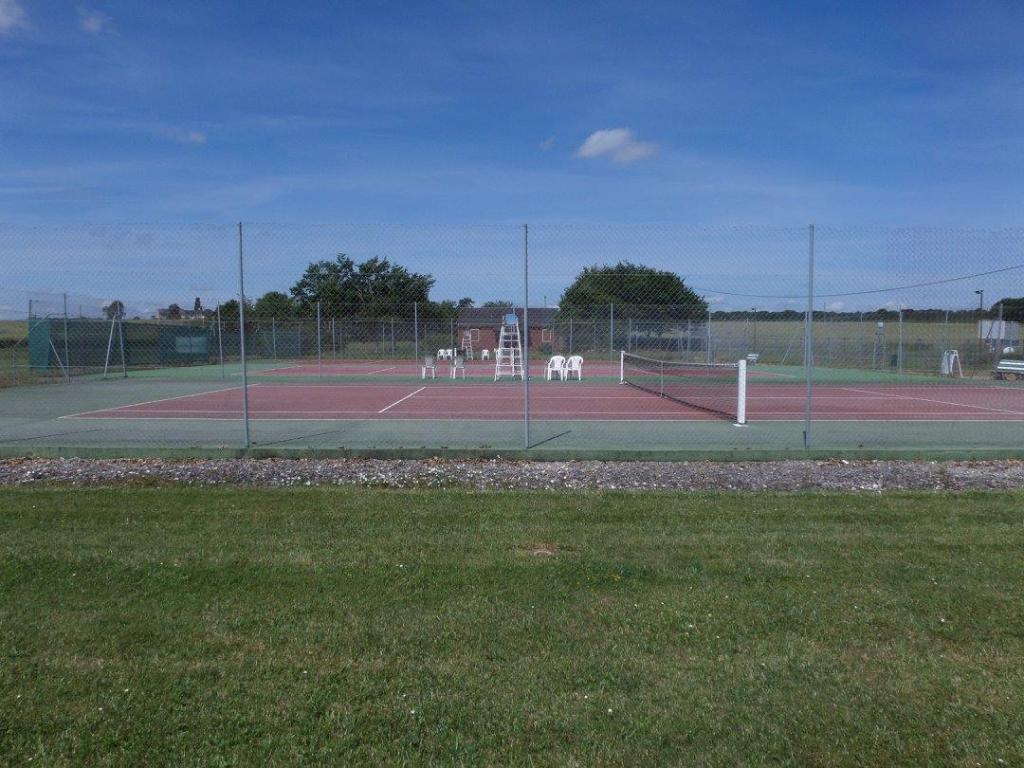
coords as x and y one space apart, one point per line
1002 330
710 357
220 344
273 335
67 356
241 339
120 339
809 338
611 331
319 346
899 345
526 336
416 331
570 335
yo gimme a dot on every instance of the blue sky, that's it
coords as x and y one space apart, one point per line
724 113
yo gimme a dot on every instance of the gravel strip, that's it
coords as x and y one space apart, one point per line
839 475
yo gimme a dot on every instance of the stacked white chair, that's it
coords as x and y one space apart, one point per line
555 367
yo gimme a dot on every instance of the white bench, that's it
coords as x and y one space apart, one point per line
1007 367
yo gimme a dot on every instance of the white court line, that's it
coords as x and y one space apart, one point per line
402 400
937 402
780 418
379 370
151 402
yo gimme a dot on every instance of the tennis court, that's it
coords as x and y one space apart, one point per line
370 405
768 400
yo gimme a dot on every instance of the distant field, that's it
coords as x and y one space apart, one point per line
12 329
221 626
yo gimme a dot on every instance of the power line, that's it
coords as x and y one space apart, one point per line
908 286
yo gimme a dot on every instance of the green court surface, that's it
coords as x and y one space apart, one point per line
147 413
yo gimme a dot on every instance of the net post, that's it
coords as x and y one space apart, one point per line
241 339
622 366
319 355
741 393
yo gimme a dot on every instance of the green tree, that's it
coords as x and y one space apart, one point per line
374 288
274 304
1013 308
496 304
114 309
229 310
635 290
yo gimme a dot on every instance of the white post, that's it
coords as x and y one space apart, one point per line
741 393
622 367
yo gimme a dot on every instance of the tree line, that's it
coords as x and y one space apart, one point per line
380 288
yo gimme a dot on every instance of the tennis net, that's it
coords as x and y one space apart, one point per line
718 388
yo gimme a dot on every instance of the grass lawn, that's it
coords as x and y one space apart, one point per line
223 626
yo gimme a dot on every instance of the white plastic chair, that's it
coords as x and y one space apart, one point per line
459 365
442 354
556 366
428 365
574 365
485 354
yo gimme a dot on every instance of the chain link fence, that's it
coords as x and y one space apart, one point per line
736 341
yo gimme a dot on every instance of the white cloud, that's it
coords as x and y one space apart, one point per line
835 306
618 143
547 144
180 135
92 22
12 16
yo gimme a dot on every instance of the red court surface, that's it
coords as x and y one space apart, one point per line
572 401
